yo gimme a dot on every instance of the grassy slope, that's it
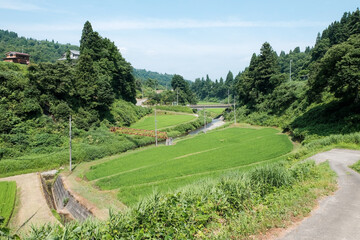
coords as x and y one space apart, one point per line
7 200
207 155
217 111
163 121
356 166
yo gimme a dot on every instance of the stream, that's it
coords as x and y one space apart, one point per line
216 122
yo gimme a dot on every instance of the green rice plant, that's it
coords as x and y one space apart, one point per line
168 167
163 121
7 201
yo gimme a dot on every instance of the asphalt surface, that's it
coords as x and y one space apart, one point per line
338 216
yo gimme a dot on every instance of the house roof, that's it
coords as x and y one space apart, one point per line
76 52
18 53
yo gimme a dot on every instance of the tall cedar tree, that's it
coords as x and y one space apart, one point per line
185 94
256 82
111 67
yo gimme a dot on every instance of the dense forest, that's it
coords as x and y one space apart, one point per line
322 95
153 79
36 100
178 93
224 90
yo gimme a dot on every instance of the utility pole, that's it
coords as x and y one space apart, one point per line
155 130
234 111
290 69
204 121
70 140
177 97
228 96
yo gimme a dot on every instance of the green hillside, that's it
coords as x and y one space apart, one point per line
40 50
322 96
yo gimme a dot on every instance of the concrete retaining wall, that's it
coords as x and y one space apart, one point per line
63 199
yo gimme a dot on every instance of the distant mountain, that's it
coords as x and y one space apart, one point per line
143 75
40 50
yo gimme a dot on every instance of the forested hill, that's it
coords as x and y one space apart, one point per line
39 98
322 96
144 75
40 50
51 51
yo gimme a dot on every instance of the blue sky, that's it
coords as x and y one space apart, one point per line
188 37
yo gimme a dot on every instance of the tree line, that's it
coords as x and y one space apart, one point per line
322 94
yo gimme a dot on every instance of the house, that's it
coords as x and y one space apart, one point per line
17 57
74 54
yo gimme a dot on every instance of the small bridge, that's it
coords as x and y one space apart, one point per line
211 106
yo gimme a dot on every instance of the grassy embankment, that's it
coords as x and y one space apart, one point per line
7 201
166 168
356 166
213 111
164 120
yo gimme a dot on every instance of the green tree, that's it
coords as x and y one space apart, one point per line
339 71
185 94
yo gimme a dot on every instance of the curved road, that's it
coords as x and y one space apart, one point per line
338 216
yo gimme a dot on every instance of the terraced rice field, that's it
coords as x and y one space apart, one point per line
7 200
163 168
163 121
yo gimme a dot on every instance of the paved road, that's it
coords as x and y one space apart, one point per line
338 216
32 205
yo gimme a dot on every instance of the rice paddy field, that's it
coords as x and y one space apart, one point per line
163 120
139 173
7 200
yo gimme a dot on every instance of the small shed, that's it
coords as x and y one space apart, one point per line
17 57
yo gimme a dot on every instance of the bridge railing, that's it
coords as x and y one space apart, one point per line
211 106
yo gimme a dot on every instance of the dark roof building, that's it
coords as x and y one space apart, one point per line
17 57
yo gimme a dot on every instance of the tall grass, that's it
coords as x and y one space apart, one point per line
190 211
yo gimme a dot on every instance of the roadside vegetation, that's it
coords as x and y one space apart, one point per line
7 202
356 166
235 205
164 168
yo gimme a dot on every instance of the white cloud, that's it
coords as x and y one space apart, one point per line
190 23
18 5
165 24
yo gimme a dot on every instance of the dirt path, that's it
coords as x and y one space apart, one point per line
140 102
338 216
32 204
